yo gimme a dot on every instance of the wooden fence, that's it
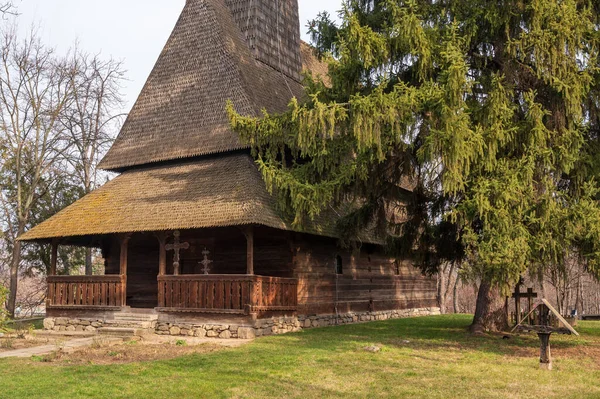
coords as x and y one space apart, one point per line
86 292
233 294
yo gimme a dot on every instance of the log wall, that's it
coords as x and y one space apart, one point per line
370 281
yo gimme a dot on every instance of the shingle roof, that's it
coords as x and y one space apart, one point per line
217 191
180 112
180 117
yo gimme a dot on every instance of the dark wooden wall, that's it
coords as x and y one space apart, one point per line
370 280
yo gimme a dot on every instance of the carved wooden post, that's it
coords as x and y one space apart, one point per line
162 255
54 257
530 295
123 267
249 233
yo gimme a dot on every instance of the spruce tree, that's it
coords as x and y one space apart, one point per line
477 119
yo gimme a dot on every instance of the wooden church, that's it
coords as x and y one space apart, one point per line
189 234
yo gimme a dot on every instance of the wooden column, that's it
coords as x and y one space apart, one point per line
249 233
162 254
124 239
54 257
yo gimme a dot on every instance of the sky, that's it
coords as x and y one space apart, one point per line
131 31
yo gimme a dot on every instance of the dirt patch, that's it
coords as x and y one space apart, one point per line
127 352
9 343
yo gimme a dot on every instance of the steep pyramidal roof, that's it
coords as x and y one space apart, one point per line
181 114
272 30
208 60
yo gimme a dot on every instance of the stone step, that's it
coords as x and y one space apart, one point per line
125 332
70 334
130 323
136 317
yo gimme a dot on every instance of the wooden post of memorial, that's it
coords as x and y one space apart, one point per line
545 357
517 296
124 239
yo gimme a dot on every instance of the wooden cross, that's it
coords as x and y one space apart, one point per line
518 295
176 246
205 262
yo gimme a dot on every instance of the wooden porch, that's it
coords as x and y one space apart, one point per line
217 294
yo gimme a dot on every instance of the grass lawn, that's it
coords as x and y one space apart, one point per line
420 358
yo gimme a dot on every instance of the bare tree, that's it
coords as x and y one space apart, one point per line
91 119
34 90
8 8
446 275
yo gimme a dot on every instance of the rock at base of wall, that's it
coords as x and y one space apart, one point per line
246 333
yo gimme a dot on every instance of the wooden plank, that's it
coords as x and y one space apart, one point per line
193 294
560 318
90 294
246 289
51 293
168 294
219 297
103 300
118 293
201 303
160 293
228 301
235 295
63 294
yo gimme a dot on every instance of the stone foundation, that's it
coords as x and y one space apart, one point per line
282 325
67 324
258 328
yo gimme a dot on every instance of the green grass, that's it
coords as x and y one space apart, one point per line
420 358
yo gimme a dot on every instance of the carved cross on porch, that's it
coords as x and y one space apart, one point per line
205 262
176 246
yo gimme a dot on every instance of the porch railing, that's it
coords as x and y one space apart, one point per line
233 294
86 292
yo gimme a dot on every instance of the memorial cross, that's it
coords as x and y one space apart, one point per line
176 246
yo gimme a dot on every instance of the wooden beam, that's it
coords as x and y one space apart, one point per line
54 257
162 255
124 239
249 234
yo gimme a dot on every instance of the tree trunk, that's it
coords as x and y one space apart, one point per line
14 272
88 262
441 287
489 316
455 294
482 307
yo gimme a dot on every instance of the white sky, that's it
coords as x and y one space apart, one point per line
132 31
